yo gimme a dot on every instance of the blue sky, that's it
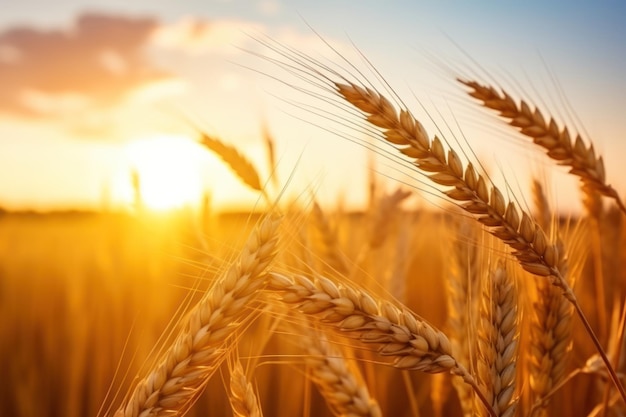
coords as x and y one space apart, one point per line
582 43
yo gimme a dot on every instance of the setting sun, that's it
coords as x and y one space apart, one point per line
166 171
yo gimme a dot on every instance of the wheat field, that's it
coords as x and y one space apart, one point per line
482 305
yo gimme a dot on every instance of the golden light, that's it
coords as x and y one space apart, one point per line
167 170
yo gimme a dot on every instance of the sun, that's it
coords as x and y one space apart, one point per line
167 171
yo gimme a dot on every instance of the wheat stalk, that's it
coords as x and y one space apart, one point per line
412 342
557 142
498 338
338 380
174 384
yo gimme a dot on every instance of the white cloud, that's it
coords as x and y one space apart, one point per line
269 7
203 37
113 62
53 104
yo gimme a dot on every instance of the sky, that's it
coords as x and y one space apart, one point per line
92 92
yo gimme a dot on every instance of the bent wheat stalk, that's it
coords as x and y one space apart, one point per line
412 342
557 142
174 384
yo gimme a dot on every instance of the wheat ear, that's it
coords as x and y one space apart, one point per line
243 398
550 342
330 241
387 206
543 214
526 238
462 291
174 384
240 165
550 323
338 379
498 338
412 342
557 142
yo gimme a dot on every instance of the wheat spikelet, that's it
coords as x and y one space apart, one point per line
498 342
243 399
172 386
339 380
557 142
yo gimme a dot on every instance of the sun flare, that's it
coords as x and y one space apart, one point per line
166 171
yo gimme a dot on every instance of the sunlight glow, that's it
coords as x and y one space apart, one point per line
167 171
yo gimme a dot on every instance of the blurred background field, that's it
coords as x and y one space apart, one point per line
85 294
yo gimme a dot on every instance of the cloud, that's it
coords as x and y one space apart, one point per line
96 63
195 36
269 7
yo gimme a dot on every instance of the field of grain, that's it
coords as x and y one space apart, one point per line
484 307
